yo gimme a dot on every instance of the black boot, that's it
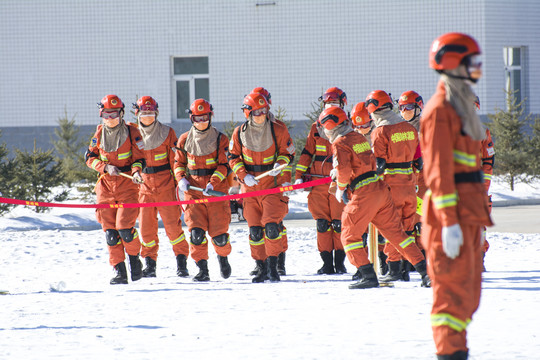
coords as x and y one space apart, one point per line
422 270
339 259
383 266
328 264
281 264
405 269
262 273
258 265
394 273
369 278
181 265
458 355
150 269
224 266
121 274
357 275
273 274
203 274
135 265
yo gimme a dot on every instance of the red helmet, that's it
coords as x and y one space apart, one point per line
201 107
110 102
334 94
411 97
146 103
477 103
378 99
332 117
254 101
360 115
263 92
449 50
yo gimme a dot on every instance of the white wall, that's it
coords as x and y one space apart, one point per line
64 53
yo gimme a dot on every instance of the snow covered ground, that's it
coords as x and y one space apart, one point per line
60 305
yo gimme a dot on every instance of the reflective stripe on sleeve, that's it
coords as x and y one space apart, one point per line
465 159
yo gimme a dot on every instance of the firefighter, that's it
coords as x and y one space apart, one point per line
316 161
260 145
284 179
394 145
455 209
159 186
201 161
115 149
355 168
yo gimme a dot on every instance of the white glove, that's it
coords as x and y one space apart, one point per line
339 194
333 174
208 187
275 172
250 180
137 178
183 184
112 170
452 239
298 181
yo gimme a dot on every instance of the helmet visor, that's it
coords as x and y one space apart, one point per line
200 118
110 114
407 107
259 112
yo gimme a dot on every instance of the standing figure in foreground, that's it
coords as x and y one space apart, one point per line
201 161
117 148
455 208
159 186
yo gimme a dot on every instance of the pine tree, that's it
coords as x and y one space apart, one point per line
229 127
6 177
534 148
35 174
512 159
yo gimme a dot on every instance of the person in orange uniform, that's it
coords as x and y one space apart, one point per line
455 209
355 168
202 151
316 161
159 186
488 160
257 146
394 145
117 148
284 179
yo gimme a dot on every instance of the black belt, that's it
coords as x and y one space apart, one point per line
323 158
259 168
401 165
156 169
364 176
470 177
201 172
126 168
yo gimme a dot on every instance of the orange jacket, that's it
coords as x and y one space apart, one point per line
397 145
211 168
244 161
128 158
355 162
319 151
158 175
488 159
452 167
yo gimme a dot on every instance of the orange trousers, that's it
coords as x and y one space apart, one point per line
456 286
404 197
148 224
214 218
374 204
323 205
116 190
262 210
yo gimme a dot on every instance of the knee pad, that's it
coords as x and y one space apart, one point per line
127 234
272 230
323 225
256 233
364 239
220 240
197 236
112 236
336 225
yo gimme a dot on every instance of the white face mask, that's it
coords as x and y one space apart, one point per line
329 105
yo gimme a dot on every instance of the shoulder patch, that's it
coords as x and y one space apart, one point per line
140 144
231 143
93 142
290 147
138 138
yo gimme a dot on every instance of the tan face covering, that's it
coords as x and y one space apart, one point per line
460 95
340 130
201 143
257 137
113 138
385 117
153 135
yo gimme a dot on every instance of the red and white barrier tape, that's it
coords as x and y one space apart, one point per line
321 181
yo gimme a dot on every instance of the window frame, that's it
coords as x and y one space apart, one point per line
185 77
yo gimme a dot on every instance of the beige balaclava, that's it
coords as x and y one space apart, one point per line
201 143
154 134
385 117
341 130
257 137
113 138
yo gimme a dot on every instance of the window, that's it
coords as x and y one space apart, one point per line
514 69
190 82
